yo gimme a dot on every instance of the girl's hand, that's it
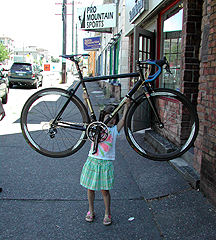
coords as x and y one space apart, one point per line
85 97
127 101
121 122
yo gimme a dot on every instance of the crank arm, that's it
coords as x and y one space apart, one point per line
96 140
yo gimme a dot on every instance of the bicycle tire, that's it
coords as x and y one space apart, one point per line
39 112
178 134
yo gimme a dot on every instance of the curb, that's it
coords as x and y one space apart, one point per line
186 171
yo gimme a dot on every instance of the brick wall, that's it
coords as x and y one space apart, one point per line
191 35
190 62
202 90
205 151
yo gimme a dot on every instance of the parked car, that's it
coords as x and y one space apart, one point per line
25 74
4 87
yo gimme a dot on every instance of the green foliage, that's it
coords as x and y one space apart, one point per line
4 53
54 59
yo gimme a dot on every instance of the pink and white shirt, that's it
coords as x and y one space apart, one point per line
106 149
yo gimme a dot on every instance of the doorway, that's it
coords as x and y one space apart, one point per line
144 48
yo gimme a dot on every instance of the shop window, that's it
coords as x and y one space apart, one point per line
171 47
117 50
107 61
114 58
111 59
144 48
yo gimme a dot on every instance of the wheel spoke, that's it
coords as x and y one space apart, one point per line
49 139
167 140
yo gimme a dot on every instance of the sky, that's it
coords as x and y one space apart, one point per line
35 23
174 23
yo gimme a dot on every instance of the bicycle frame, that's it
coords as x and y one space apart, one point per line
160 124
95 79
139 83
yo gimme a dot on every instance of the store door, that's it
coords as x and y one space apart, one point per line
144 45
144 48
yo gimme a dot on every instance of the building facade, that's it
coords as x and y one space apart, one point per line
184 32
112 57
31 54
205 145
9 44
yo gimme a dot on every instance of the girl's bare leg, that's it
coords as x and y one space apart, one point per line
107 200
91 198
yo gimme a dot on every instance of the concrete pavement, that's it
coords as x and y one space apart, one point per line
42 197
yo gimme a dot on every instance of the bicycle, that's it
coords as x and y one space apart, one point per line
56 123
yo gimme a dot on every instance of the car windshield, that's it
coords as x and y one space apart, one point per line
22 67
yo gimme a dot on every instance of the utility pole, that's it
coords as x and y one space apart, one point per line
76 47
64 19
72 27
23 53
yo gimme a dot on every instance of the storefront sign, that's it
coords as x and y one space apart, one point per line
140 6
97 17
91 43
46 67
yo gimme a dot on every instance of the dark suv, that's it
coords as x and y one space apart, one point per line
25 74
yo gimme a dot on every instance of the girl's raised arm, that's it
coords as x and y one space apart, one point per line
121 122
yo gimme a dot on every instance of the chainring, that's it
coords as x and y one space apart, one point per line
93 128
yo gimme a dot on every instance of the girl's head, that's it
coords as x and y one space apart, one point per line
108 109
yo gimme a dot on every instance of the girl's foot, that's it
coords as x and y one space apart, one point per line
90 216
107 219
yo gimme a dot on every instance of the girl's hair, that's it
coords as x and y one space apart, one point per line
109 109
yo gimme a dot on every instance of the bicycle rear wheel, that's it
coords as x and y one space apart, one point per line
59 139
174 137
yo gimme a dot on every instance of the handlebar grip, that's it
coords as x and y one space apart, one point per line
161 62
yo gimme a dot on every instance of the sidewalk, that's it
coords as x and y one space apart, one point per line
42 197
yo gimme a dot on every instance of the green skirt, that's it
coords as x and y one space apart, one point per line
97 174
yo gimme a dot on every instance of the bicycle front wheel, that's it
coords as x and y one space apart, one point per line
166 140
59 138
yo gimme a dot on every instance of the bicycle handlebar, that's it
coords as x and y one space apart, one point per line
72 57
158 63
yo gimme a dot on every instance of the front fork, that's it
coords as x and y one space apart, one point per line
147 91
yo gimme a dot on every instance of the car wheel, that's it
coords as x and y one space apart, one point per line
35 86
5 98
10 85
41 83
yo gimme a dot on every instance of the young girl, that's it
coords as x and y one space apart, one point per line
98 171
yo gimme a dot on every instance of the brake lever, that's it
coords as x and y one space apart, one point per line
167 67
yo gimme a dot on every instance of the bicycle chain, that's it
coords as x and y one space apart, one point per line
57 138
84 124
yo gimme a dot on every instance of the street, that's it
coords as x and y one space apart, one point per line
42 197
18 95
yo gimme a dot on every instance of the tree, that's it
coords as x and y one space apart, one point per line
55 59
4 53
